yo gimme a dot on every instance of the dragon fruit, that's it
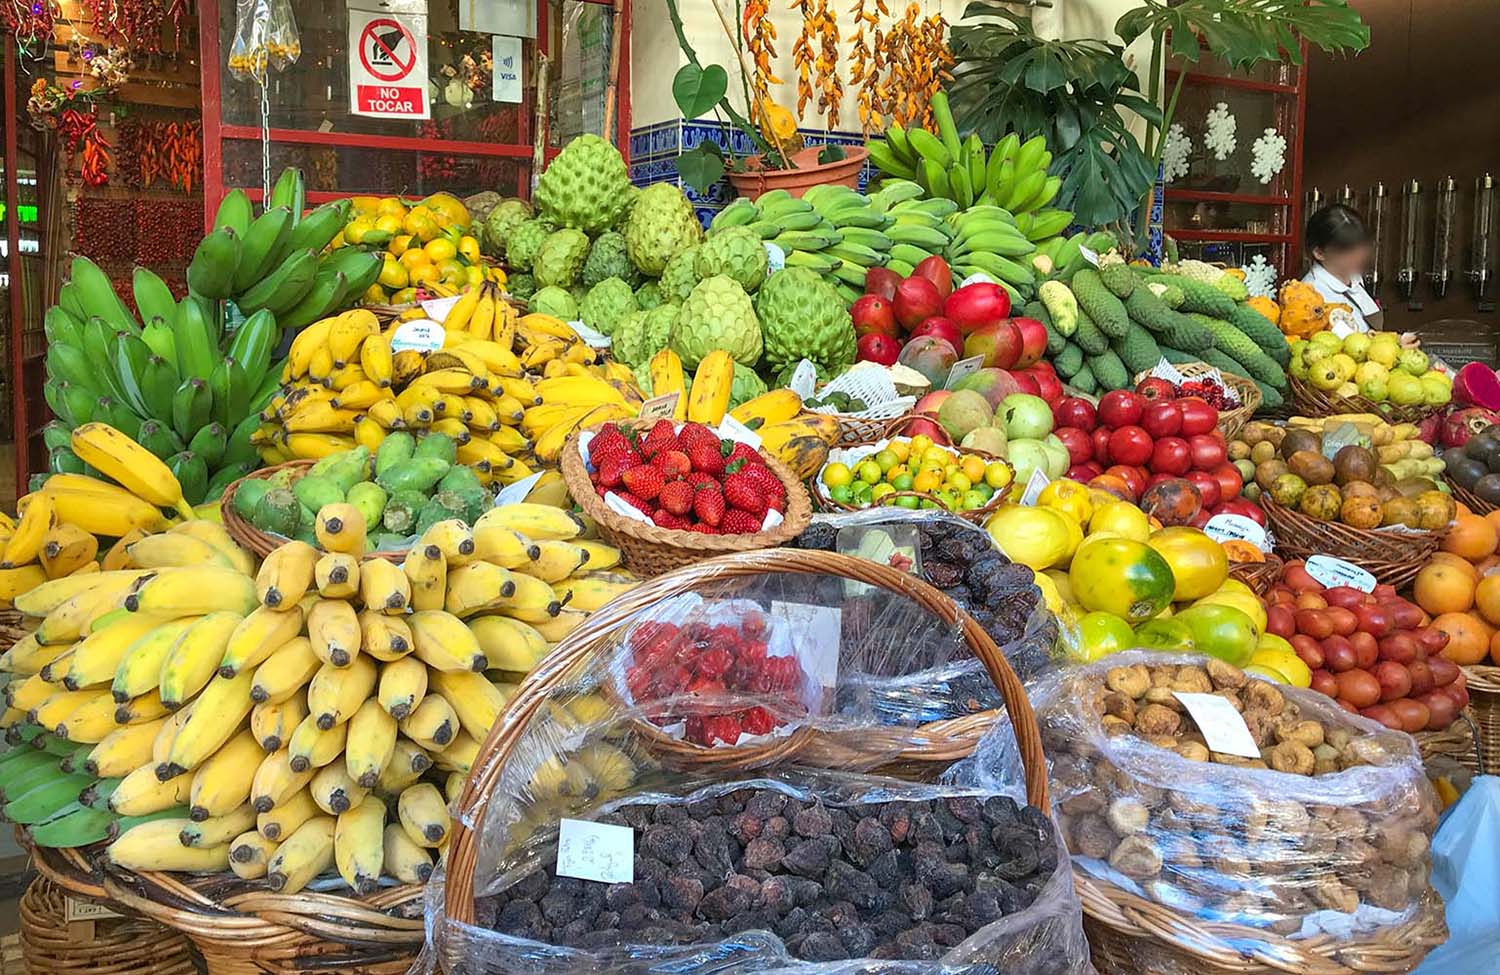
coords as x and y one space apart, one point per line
1459 426
1477 385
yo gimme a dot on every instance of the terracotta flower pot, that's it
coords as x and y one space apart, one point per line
808 172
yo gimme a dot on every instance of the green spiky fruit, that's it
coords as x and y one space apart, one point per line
642 334
586 186
745 386
802 317
554 301
607 259
525 241
560 258
521 286
737 252
662 225
717 315
680 275
648 296
501 222
606 304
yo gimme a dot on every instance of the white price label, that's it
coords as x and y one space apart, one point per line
1034 486
775 258
1089 255
732 429
1332 572
660 407
1223 727
595 851
437 309
804 379
516 493
978 277
816 633
1229 527
418 334
591 338
962 369
77 910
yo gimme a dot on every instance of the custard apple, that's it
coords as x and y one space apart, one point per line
554 301
586 185
625 340
607 260
521 286
642 334
662 225
745 386
648 296
679 277
606 304
525 241
802 317
717 315
561 258
631 195
501 222
737 252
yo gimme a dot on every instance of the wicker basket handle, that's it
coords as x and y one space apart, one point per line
594 635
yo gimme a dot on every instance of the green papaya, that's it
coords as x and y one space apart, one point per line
277 512
316 491
370 499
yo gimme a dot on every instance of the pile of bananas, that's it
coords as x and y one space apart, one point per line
428 246
507 390
317 712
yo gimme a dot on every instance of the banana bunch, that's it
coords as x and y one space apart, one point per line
319 712
483 313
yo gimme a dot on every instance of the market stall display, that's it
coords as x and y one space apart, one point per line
1365 373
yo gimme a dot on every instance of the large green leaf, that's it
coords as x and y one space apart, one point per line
701 166
1245 32
696 90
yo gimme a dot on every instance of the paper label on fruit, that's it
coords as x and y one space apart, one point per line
962 369
1089 254
1230 527
1222 726
601 852
516 493
816 632
804 379
775 258
418 334
660 407
1034 485
1165 370
1332 572
437 309
978 277
591 338
732 429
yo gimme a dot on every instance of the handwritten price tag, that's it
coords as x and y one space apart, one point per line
1222 726
660 407
437 309
423 336
1333 572
1034 485
1228 527
595 851
733 429
817 632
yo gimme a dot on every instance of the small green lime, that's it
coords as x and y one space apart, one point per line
840 493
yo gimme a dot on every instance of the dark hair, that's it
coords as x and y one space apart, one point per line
1335 228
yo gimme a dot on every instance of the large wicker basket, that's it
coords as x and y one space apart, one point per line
648 550
1484 704
52 945
532 700
1390 556
241 928
1230 421
1312 401
262 543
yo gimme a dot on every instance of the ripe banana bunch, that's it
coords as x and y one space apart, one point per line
484 314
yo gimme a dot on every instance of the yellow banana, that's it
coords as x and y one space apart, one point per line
406 365
139 671
216 830
458 756
499 360
483 455
769 408
375 359
129 464
302 856
141 792
333 789
350 330
194 591
275 781
285 672
25 543
337 575
123 750
96 657
370 743
535 521
508 644
341 528
283 818
335 693
167 733
384 587
65 549
258 636
215 534
453 539
315 446
312 747
194 658
431 724
443 642
250 855
333 627
386 638
285 575
90 723
147 707
556 560
476 587
272 724
28 655
475 700
665 369
387 414
157 845
175 551
98 507
359 845
217 714
427 571
403 859
308 341
49 596
709 397
592 591
407 764
457 319
601 556
403 684
424 814
220 784
503 546
533 600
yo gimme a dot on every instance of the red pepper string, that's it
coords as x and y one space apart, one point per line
177 12
29 22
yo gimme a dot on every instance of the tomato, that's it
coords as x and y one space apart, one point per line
1197 415
1122 518
1122 576
1220 631
1133 476
1246 507
1207 451
1080 447
1207 485
1161 418
1101 446
1170 455
1198 563
1085 472
1229 480
1171 635
1120 408
1173 501
1154 388
1101 634
1075 411
1130 445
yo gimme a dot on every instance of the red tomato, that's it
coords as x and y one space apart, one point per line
1229 480
1101 446
1080 445
1208 453
1075 411
1161 418
1085 472
1170 455
1197 415
1246 507
1130 445
1121 408
1207 485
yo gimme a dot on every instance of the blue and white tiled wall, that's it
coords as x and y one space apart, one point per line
654 150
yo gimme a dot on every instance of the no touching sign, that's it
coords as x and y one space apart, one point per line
388 65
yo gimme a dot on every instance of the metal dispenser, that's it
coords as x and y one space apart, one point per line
1375 220
1480 274
1411 223
1444 204
1314 203
1345 195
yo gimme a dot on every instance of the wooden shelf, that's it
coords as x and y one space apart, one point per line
1234 236
1226 81
1212 196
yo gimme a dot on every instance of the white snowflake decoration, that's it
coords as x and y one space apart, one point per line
1221 127
1269 155
1174 154
1260 277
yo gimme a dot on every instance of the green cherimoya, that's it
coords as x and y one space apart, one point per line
520 285
606 304
745 386
607 260
561 258
585 186
525 241
648 296
554 301
802 317
737 252
642 334
501 222
662 225
680 275
717 315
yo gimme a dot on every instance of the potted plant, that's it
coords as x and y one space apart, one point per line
781 162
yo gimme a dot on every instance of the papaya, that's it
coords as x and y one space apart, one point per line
316 490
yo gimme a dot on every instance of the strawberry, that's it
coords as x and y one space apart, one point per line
713 663
662 436
776 502
753 625
742 451
644 481
638 503
608 444
708 504
665 519
753 651
742 492
698 479
703 528
611 470
737 522
676 496
707 456
764 479
693 434
757 721
723 727
707 685
673 463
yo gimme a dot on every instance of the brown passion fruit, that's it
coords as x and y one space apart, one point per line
1311 466
1487 489
1287 490
1434 510
1353 463
1360 489
1400 511
1360 511
1321 501
1296 441
1267 471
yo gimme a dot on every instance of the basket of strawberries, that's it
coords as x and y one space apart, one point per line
670 493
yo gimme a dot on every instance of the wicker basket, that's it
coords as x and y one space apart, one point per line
1458 741
1260 576
1230 421
262 543
117 945
1484 705
1470 500
1129 935
1312 401
12 628
648 550
532 698
1391 557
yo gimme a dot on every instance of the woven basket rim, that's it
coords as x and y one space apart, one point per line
1309 525
1315 402
264 543
1471 500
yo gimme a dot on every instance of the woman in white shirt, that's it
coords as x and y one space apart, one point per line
1340 249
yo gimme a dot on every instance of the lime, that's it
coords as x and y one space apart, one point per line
974 499
869 471
984 490
887 459
907 501
902 482
881 490
841 494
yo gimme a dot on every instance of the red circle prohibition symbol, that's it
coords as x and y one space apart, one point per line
379 34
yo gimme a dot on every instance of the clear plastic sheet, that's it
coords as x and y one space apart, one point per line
616 742
265 36
1338 853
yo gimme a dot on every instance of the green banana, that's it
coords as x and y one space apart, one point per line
159 338
895 136
110 410
975 151
211 271
362 268
958 182
234 211
894 192
209 443
74 826
130 355
1024 189
907 233
70 364
935 176
289 191
157 386
1002 268
44 801
807 240
851 274
231 391
192 406
765 229
908 254
862 217
284 286
239 449
97 795
28 778
96 295
942 116
74 762
903 268
77 402
263 248
59 326
316 230
196 343
885 158
325 295
813 261
68 301
998 179
153 299
939 207
191 472
225 476
252 345
807 220
929 147
994 242
158 438
62 460
1029 155
857 254
736 214
1049 223
865 237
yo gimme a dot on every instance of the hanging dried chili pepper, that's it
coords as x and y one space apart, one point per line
802 53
